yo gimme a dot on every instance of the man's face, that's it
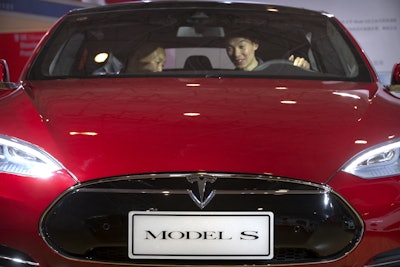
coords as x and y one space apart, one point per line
241 51
154 62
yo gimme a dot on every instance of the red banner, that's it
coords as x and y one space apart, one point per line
16 48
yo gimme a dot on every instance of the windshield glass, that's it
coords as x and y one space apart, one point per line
208 42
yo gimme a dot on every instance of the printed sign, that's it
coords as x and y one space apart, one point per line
201 235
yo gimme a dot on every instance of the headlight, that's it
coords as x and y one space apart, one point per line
22 158
376 162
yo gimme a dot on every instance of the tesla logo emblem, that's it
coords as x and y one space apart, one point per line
201 199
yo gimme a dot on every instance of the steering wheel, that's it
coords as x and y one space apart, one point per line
268 63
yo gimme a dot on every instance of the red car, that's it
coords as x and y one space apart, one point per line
199 133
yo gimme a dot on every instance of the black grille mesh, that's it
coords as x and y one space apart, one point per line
96 214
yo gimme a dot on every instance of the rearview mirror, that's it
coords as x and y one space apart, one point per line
189 31
395 81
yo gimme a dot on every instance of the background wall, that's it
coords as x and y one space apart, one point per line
375 24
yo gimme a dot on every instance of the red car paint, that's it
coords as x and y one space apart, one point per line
99 128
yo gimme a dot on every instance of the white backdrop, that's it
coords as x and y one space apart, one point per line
375 24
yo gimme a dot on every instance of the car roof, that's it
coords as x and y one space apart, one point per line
167 4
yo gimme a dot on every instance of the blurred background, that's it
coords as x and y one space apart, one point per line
375 24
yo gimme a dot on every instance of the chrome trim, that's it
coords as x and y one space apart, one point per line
14 261
201 203
201 200
324 188
220 192
320 188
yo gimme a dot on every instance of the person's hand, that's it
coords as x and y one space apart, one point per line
300 62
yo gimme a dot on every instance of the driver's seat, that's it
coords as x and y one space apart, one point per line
197 62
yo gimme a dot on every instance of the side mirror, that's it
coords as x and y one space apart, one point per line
4 73
395 82
5 76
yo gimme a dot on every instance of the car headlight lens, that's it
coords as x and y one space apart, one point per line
376 162
22 158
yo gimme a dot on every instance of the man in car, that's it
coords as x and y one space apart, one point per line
241 51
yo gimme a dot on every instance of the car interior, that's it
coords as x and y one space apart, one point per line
195 44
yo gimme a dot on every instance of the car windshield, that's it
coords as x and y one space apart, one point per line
194 41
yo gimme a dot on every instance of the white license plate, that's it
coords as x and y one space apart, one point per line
201 235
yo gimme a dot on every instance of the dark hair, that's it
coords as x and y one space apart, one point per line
250 35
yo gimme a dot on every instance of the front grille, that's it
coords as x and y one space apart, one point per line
282 255
311 222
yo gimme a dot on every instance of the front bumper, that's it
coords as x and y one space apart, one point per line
303 210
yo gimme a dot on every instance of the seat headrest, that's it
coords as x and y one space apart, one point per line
197 63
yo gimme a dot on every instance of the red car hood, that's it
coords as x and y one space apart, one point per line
111 127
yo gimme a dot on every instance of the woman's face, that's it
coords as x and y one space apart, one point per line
154 62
